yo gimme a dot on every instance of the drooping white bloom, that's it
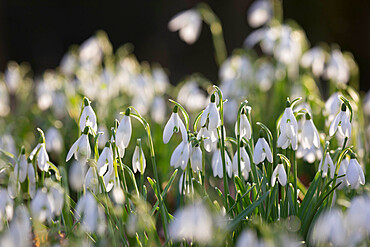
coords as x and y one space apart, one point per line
328 164
342 172
105 160
355 175
217 166
87 208
53 140
88 117
6 207
173 125
329 228
42 156
80 149
245 127
138 160
56 195
310 135
314 58
279 172
261 151
209 138
19 232
259 13
264 75
288 50
247 238
341 123
180 155
288 130
211 117
193 223
22 170
41 206
189 25
191 96
337 68
123 134
76 175
357 219
196 158
158 110
245 164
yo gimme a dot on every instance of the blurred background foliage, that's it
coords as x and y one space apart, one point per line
41 31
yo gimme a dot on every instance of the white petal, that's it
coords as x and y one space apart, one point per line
169 129
124 131
352 172
73 149
334 124
282 175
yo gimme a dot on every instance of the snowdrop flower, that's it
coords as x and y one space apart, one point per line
138 159
105 159
42 156
41 206
333 106
23 169
259 13
288 129
4 100
158 110
193 223
355 175
53 140
262 151
245 127
87 209
288 50
90 52
211 117
209 138
342 171
314 58
328 163
19 232
189 25
341 123
173 125
245 164
329 228
217 166
279 173
56 194
81 148
88 117
191 96
358 216
76 175
180 155
6 207
13 77
337 68
196 158
248 238
264 75
123 134
310 135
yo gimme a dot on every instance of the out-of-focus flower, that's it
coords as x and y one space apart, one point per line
259 13
288 129
264 75
53 140
245 165
87 211
90 53
189 25
288 50
366 105
7 143
138 160
279 172
191 96
158 110
173 125
76 175
262 151
341 123
328 164
123 134
41 206
247 238
329 228
314 58
192 223
180 155
88 117
4 100
6 207
80 149
337 68
13 77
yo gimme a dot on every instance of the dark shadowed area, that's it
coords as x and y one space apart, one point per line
41 31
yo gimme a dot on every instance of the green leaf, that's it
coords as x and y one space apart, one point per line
164 192
246 212
9 156
268 132
55 169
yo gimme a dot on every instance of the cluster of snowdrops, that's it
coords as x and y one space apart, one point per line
260 160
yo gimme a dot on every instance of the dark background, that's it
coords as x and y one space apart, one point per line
41 31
